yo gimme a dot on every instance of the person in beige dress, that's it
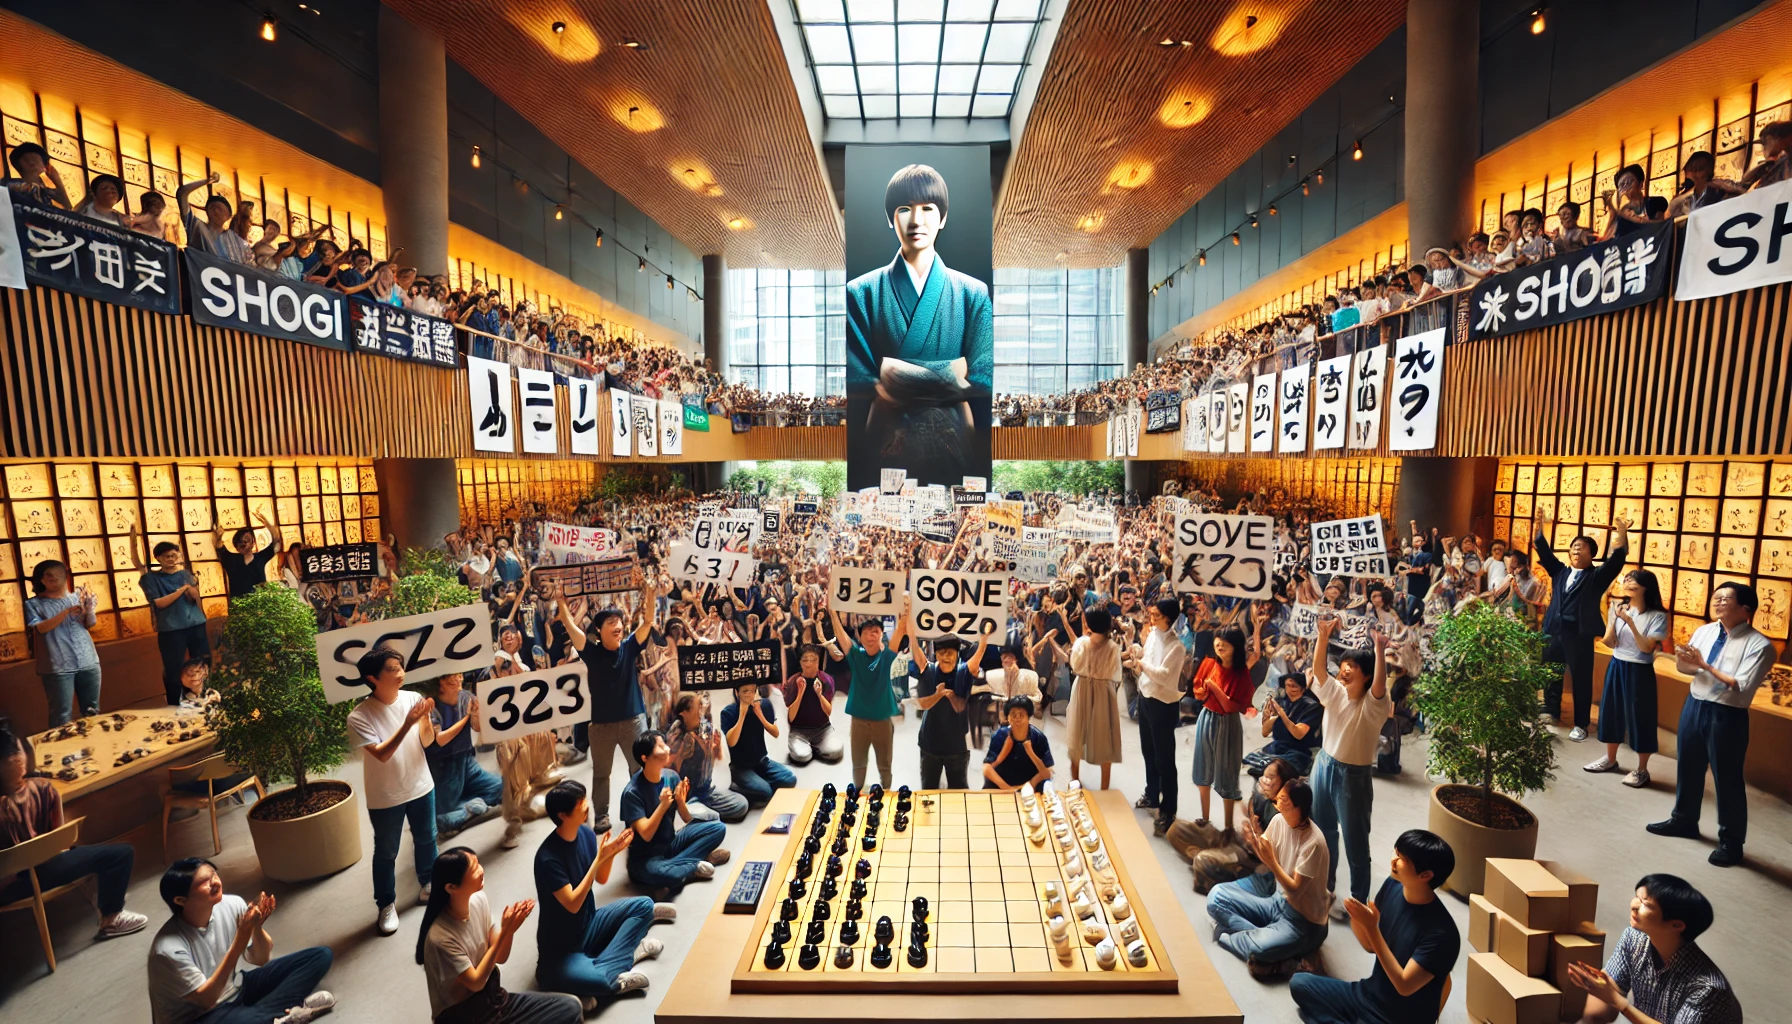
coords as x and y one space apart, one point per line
1094 723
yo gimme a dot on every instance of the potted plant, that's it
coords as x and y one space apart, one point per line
272 718
1480 703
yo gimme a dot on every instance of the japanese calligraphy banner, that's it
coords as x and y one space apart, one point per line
730 569
12 259
568 544
1238 401
581 394
1626 271
89 257
1331 403
726 666
1737 244
488 390
402 334
672 428
866 591
1221 554
1135 425
619 575
1292 440
645 412
433 644
244 298
1349 547
1163 412
961 604
1263 413
1218 400
622 430
1369 374
338 562
513 706
1417 391
539 434
1194 424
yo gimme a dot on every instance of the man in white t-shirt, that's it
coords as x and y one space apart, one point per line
392 729
1272 919
1011 680
195 968
1356 704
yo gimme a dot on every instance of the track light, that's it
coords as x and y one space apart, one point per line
1291 159
559 211
634 44
1253 220
668 282
1537 22
559 27
1305 188
1235 238
1203 257
1356 150
1272 209
1318 177
268 31
475 156
600 238
640 264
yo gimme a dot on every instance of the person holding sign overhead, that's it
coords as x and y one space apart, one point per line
1574 619
871 703
618 714
1356 704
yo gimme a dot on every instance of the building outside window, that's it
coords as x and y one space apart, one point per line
787 330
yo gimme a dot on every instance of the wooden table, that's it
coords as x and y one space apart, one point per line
701 992
114 797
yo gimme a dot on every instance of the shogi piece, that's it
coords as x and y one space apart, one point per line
1498 994
1526 891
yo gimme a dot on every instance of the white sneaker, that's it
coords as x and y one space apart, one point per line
1577 734
122 923
388 920
1637 779
630 981
1339 914
664 913
1604 764
315 1005
648 949
705 869
423 896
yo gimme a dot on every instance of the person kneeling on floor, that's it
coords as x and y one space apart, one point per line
581 948
460 951
662 858
466 794
696 746
1018 752
1272 920
195 969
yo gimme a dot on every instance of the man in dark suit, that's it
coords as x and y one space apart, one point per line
1575 617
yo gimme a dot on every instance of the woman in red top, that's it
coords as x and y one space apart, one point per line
1224 688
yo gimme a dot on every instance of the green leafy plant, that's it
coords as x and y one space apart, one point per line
782 477
427 592
1481 705
272 717
418 561
1078 478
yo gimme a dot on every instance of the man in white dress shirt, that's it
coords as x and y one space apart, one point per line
1159 665
1727 660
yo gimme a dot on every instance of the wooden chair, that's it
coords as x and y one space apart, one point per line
207 770
27 857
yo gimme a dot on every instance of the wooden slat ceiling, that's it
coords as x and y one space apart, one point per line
1101 140
713 77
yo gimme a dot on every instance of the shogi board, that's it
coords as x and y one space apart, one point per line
969 855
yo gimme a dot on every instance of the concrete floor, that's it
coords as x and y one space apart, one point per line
1590 823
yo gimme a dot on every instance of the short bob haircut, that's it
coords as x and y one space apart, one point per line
912 186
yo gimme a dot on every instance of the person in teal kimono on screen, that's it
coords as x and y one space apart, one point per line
920 346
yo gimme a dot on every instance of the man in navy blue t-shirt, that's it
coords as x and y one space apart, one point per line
1412 936
1018 752
663 857
744 725
943 693
613 664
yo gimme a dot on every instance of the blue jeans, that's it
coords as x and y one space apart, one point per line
606 951
458 780
757 779
1343 795
1323 1000
675 867
1715 736
109 862
715 804
1256 923
388 829
270 990
61 689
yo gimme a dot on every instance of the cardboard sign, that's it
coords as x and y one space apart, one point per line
610 576
961 604
513 706
892 480
489 396
433 644
1303 621
581 396
690 562
866 591
1041 555
1094 525
569 544
1417 392
1223 554
805 507
1349 547
622 430
727 533
962 497
976 483
726 666
1002 524
339 562
539 434
771 521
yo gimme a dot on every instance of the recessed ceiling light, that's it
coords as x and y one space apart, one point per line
634 44
737 223
1166 42
559 27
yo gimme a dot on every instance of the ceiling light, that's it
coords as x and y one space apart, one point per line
1291 159
268 31
1356 150
559 211
668 282
634 44
1318 177
1253 220
559 27
1203 257
600 238
308 9
640 264
1272 209
1062 256
1166 42
1235 238
737 223
1305 188
1537 23
475 156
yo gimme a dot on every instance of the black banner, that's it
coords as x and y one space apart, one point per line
402 334
617 575
962 497
339 562
1602 278
245 298
96 259
725 666
1163 412
805 507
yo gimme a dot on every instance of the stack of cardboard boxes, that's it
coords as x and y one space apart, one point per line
1534 920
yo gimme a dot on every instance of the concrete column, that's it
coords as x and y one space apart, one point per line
715 312
1138 307
414 142
1443 119
1454 495
419 500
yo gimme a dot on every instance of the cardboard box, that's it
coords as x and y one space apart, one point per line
1567 949
1498 994
1526 949
1527 892
1481 920
1583 892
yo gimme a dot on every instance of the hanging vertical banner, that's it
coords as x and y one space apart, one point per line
1293 438
1135 425
1417 392
1189 442
1263 413
671 428
488 388
1218 400
645 413
581 393
539 435
1368 383
1740 244
622 425
1238 400
12 260
1331 404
